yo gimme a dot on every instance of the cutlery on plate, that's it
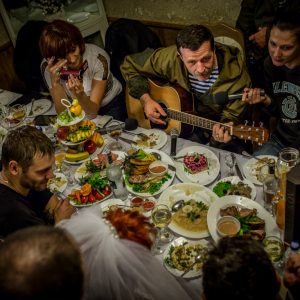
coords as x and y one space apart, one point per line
158 157
198 259
141 135
31 107
127 140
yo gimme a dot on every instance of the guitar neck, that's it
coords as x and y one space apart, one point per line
194 120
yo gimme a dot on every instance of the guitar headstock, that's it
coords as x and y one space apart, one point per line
258 135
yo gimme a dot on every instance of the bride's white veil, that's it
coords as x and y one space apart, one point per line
118 268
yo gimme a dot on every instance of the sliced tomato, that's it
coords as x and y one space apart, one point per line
106 191
98 196
92 198
84 199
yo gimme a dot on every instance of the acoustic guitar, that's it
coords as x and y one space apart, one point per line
179 107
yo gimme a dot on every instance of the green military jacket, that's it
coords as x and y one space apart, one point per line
165 64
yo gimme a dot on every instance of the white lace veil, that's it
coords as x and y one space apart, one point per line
118 268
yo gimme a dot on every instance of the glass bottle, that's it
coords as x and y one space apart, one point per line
287 159
294 248
270 187
114 175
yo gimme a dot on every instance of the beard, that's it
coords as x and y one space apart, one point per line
32 184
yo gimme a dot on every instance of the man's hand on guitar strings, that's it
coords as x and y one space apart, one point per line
154 111
221 134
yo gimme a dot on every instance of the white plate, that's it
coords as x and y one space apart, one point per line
58 185
75 120
158 136
178 242
78 17
40 106
90 204
99 150
235 180
107 204
214 214
93 7
81 171
187 191
205 177
165 158
250 171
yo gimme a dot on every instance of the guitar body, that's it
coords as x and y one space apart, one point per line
173 97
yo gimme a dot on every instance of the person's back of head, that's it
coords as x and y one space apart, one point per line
42 263
193 36
239 269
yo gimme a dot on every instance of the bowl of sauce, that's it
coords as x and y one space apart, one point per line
228 226
158 168
136 202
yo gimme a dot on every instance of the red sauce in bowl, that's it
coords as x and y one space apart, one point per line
137 201
148 205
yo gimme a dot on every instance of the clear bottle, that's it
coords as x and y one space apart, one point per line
114 175
270 187
294 248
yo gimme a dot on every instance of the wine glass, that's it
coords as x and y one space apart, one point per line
115 132
161 217
230 162
60 154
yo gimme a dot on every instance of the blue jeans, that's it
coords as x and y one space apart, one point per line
272 147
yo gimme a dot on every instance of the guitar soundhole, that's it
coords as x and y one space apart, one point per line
159 126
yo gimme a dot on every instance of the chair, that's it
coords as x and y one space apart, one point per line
225 34
124 37
27 56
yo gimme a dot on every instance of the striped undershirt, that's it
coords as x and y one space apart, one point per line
201 86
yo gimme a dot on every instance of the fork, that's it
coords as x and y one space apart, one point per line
31 107
141 135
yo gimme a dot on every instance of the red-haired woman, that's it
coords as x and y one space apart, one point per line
97 90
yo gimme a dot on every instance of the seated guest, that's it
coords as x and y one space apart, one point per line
198 65
97 90
40 263
282 70
239 269
117 257
27 158
291 276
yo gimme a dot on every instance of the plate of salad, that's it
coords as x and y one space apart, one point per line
94 189
138 180
232 185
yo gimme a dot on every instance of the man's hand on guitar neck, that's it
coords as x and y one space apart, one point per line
221 134
152 109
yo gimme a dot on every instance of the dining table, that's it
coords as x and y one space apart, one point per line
194 283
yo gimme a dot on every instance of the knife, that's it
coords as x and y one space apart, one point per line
127 140
238 171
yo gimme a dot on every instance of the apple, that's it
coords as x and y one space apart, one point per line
62 132
90 146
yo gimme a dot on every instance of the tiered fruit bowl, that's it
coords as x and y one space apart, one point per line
77 133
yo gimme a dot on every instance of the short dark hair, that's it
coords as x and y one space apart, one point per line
288 21
239 269
193 36
60 38
22 144
40 262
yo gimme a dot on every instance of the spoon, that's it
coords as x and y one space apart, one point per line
198 259
177 205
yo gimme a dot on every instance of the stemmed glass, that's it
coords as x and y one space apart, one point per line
60 154
115 132
161 217
230 162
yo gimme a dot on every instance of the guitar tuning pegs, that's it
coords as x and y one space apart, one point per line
246 122
261 124
253 123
